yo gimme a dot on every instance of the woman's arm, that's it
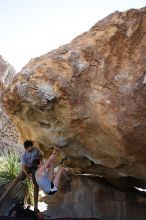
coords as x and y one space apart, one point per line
49 161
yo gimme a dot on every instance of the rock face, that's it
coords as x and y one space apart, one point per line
83 198
8 132
88 97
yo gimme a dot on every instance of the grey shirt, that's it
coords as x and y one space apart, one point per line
28 157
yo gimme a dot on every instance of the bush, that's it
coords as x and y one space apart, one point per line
9 169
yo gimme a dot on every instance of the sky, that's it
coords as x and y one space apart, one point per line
31 28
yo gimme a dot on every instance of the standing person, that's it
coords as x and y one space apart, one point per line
27 157
45 174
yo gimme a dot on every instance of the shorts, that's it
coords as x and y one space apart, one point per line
53 189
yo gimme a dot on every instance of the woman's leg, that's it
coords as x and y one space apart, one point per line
51 172
58 176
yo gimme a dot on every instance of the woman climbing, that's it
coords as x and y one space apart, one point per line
45 174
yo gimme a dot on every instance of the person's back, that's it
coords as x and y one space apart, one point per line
43 180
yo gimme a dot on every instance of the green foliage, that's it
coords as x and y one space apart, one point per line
9 169
9 166
29 192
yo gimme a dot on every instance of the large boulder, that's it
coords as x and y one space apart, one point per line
88 98
8 132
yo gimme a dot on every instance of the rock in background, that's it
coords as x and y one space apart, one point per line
8 132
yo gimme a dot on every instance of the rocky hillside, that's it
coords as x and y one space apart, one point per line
8 132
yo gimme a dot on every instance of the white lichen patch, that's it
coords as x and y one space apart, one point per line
82 66
47 91
38 94
22 89
144 80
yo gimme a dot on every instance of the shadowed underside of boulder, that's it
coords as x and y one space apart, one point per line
88 98
83 198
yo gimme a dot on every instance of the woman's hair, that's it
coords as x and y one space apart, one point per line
35 163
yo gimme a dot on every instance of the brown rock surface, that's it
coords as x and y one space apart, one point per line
89 97
84 198
8 132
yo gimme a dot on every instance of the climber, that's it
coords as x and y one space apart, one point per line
27 157
45 174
